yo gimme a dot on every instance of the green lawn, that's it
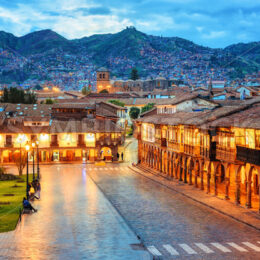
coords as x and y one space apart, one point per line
9 213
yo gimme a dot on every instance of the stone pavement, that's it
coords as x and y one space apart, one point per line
74 221
223 206
171 225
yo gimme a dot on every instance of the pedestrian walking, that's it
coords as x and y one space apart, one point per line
117 155
122 156
38 190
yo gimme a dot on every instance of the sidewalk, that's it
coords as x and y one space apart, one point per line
220 205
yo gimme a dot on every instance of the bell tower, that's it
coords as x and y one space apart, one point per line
103 80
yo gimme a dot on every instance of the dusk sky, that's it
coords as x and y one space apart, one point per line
210 23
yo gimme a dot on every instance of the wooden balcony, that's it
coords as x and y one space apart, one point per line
193 150
225 154
248 155
9 145
163 142
110 141
81 144
174 145
54 144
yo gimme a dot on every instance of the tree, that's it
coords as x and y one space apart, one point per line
20 162
2 170
134 74
86 91
134 112
117 102
147 107
18 96
38 87
104 91
49 101
5 95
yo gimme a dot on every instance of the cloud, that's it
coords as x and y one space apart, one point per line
214 24
214 35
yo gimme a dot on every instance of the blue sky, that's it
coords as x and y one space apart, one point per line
210 23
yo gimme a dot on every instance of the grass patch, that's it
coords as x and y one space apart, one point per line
10 205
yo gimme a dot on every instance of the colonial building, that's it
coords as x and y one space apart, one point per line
103 80
65 132
118 86
217 151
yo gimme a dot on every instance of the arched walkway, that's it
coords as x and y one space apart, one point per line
220 183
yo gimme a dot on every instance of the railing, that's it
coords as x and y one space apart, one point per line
174 145
225 153
204 152
249 155
109 141
191 149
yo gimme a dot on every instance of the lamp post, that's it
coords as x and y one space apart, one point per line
37 155
33 146
27 148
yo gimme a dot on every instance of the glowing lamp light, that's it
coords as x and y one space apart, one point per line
27 147
33 145
37 142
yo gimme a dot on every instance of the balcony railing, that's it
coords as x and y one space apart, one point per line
204 152
249 155
109 141
225 153
174 145
192 149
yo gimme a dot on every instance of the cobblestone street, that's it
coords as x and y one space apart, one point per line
172 225
74 221
96 212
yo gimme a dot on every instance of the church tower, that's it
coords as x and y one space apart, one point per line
103 80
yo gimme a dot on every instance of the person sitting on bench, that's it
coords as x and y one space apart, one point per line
28 205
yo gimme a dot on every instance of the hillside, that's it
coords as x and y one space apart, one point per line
34 54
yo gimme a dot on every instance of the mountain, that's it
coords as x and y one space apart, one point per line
36 53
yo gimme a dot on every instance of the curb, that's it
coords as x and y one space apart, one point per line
198 201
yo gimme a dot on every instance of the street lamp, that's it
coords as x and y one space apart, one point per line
27 148
33 146
37 155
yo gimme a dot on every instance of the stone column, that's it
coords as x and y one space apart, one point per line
227 189
160 161
248 195
185 175
201 180
215 185
237 192
181 169
176 170
190 178
172 168
196 180
208 182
